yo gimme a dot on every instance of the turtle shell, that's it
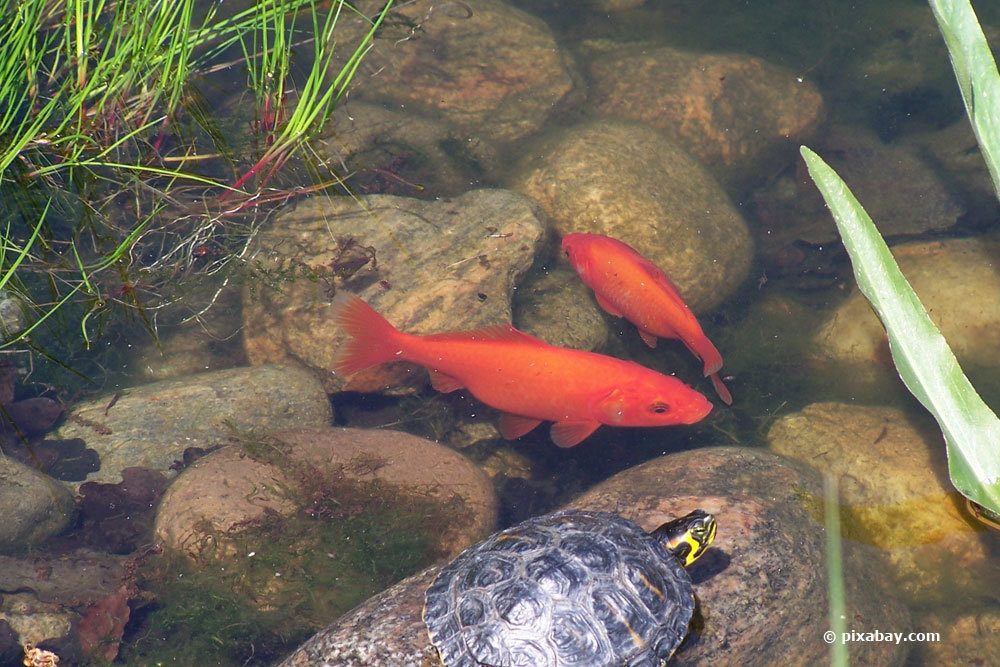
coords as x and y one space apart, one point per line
570 588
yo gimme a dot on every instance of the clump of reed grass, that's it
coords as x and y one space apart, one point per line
116 184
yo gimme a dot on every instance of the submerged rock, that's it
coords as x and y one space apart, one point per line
210 341
270 475
12 320
557 307
955 154
899 190
893 478
487 68
970 639
629 181
957 282
33 506
57 596
152 425
615 5
392 150
738 115
316 521
427 267
761 590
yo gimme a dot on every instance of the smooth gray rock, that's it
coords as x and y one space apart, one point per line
151 425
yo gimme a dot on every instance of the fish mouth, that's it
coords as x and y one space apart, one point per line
697 412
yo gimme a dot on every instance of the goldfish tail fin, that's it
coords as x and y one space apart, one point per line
371 339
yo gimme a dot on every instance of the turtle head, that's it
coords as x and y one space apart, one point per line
689 536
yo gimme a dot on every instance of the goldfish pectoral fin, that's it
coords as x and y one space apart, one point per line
721 389
444 383
607 306
609 406
514 426
647 338
568 434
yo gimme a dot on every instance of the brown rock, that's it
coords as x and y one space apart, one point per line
957 283
438 266
972 639
893 478
387 629
557 307
394 150
762 595
902 194
629 181
209 341
33 506
740 116
229 489
762 589
487 68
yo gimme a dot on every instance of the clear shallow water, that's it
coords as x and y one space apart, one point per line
880 68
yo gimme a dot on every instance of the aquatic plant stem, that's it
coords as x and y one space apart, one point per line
839 655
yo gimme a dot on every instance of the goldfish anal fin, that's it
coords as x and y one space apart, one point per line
568 434
647 338
607 306
514 426
444 383
721 389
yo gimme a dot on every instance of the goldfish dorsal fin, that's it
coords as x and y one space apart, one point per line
500 332
568 434
444 383
514 426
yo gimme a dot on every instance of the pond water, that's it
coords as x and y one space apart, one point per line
671 125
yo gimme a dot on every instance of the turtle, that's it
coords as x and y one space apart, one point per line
570 588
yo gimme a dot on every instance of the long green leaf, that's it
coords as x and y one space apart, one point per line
976 72
922 356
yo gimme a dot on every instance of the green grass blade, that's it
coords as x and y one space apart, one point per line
976 72
922 356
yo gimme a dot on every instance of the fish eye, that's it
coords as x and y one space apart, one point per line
659 408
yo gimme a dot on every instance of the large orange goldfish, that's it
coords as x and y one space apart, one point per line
628 285
524 377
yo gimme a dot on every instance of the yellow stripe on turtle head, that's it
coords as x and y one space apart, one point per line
689 536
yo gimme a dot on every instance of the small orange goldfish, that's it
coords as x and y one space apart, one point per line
628 285
524 377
